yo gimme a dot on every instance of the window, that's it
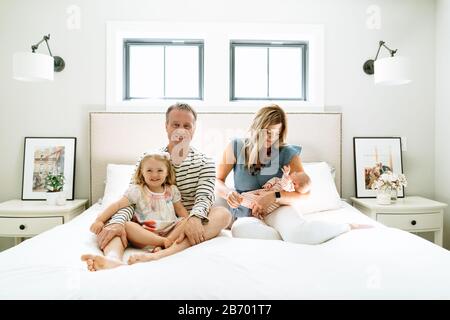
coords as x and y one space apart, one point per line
163 69
268 70
226 67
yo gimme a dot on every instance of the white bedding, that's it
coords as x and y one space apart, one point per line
377 263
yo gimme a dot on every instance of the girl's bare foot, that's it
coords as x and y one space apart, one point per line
95 263
167 243
360 226
142 257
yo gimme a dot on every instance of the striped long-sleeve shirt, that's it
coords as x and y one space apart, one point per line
195 178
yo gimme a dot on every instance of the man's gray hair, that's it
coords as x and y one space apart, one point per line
182 107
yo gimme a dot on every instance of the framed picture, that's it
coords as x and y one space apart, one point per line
48 155
374 155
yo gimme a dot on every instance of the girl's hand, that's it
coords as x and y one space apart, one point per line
96 227
286 170
149 225
234 199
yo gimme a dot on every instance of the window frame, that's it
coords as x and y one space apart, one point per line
127 43
270 44
217 37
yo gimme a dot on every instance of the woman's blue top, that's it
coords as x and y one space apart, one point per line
244 180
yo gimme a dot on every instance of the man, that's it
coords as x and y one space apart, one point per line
195 176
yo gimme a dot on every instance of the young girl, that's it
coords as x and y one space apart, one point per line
157 204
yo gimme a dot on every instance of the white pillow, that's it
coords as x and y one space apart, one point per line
331 168
323 195
118 178
229 181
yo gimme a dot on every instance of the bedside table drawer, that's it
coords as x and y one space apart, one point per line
23 227
411 221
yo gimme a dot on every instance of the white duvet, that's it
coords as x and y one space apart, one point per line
377 263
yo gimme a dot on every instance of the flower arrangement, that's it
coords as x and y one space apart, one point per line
54 182
389 181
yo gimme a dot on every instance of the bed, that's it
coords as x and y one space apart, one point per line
379 263
376 263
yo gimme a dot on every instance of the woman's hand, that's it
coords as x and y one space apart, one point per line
234 199
96 227
261 203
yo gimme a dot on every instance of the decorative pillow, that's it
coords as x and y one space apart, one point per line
323 195
118 178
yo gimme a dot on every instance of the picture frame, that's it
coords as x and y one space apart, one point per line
44 155
371 154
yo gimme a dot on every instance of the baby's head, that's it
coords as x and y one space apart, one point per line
155 169
301 181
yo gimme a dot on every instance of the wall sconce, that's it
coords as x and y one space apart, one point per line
390 71
31 66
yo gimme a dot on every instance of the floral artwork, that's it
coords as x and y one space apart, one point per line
48 165
374 157
47 160
371 174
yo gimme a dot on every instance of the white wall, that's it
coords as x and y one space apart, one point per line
61 108
442 168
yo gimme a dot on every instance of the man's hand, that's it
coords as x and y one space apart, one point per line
110 232
261 203
194 230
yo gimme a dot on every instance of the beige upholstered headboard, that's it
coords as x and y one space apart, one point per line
121 138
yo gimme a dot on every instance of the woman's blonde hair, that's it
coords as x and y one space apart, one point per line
265 117
138 177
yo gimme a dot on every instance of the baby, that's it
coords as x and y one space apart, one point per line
295 181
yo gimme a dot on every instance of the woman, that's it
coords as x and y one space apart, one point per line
256 160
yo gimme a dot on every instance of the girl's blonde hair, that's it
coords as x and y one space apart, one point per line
265 117
138 177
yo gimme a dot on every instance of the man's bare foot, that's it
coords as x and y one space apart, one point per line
95 263
360 226
143 257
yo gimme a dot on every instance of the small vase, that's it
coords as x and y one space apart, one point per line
56 198
384 197
61 199
394 194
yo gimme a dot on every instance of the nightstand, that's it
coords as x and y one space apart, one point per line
21 219
413 214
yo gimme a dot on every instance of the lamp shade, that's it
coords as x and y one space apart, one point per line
392 71
28 66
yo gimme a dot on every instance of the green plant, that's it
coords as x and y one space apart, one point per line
54 182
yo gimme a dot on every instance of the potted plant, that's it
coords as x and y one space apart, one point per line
387 185
54 183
